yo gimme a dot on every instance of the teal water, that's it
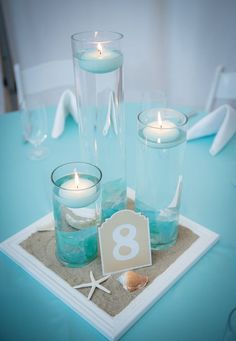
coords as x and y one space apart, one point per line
77 247
163 225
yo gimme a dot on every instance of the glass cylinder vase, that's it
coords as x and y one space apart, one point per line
160 152
98 72
77 212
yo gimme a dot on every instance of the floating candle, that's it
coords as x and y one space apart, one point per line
100 60
78 191
161 130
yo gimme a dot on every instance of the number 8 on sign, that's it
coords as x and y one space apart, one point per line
125 240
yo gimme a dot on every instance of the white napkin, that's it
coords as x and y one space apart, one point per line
66 105
221 121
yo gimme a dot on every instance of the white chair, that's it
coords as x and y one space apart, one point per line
44 77
223 87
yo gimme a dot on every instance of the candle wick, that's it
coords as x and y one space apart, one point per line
99 49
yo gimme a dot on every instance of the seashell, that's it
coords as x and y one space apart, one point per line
132 281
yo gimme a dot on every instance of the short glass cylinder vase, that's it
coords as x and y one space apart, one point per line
160 154
77 212
98 62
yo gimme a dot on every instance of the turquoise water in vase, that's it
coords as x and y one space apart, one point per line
77 248
163 226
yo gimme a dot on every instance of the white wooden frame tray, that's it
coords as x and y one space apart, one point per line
111 327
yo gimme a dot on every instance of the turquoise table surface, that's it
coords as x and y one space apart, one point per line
195 308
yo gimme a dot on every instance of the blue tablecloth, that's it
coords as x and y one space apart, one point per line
195 308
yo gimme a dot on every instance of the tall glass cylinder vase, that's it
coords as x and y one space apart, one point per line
98 71
160 152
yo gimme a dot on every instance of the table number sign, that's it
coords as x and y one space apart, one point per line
124 242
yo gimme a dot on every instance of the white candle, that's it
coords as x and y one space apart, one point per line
78 191
100 59
161 130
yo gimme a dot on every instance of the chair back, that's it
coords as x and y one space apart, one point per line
43 77
223 87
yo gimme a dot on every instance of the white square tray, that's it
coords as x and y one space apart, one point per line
111 327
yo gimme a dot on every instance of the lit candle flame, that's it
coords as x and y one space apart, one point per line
76 178
99 49
159 119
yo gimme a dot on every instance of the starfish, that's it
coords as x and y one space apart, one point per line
94 284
